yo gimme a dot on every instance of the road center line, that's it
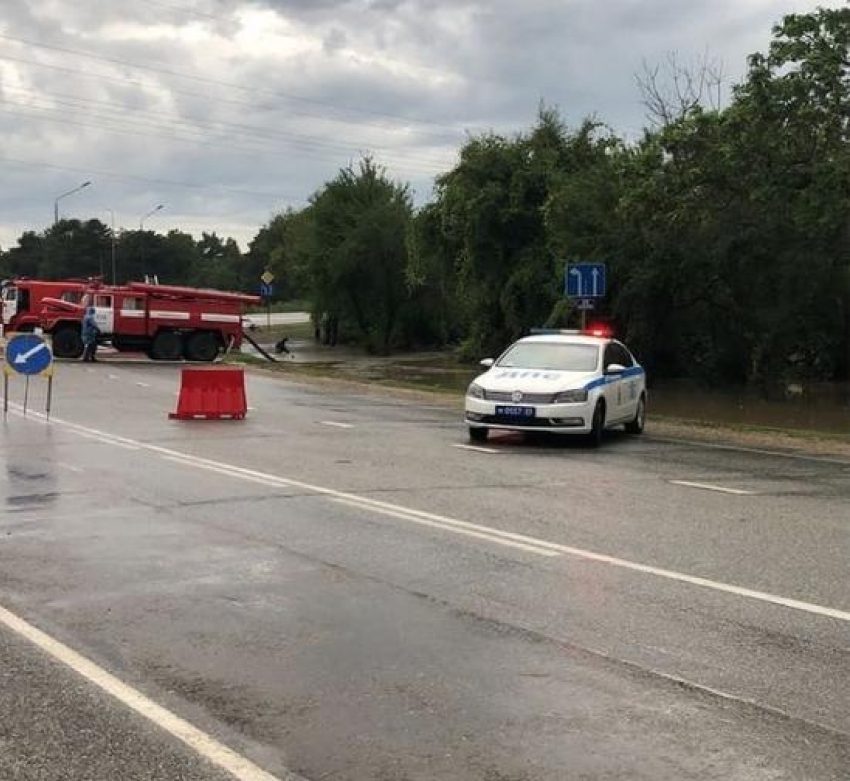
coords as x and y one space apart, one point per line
335 424
476 448
454 528
709 487
203 744
407 512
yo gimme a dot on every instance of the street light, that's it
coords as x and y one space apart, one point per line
112 215
65 195
142 229
149 214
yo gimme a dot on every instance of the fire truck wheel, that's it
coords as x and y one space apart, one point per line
201 347
67 342
167 346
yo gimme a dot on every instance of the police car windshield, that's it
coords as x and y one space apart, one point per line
551 356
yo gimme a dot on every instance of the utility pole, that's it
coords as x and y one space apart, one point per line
112 215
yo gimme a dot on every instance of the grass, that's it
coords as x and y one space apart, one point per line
269 335
755 428
295 305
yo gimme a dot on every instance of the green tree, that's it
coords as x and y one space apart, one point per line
358 255
216 263
501 213
283 246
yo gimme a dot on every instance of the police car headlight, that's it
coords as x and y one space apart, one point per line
571 396
475 391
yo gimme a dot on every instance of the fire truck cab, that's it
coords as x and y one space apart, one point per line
22 300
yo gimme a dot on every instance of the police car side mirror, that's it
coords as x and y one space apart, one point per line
615 368
486 362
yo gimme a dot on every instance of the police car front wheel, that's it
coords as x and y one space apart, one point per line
597 428
636 426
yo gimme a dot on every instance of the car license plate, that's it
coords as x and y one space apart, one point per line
515 412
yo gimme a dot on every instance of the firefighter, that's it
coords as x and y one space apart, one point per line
90 332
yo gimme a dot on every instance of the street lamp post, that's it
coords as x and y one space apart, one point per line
142 229
65 195
149 214
112 216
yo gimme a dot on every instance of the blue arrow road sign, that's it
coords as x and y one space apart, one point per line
267 291
28 354
585 280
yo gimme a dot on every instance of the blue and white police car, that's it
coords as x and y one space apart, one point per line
566 382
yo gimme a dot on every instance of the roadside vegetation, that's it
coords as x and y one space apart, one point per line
726 228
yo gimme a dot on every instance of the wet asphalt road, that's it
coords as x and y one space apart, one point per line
334 588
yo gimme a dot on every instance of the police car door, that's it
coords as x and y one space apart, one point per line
629 387
618 386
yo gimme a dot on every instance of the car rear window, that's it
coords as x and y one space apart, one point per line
550 356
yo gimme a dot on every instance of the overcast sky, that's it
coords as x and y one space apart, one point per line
227 111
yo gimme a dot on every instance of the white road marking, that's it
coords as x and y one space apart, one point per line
468 530
452 524
203 744
336 424
709 487
143 385
112 376
476 448
69 467
107 440
754 450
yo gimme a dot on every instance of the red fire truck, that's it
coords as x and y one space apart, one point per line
165 321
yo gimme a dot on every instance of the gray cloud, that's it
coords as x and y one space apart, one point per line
322 81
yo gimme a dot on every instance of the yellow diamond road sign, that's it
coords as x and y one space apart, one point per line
267 278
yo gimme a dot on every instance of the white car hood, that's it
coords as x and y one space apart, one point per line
533 380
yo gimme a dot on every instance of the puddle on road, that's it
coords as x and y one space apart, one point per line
822 408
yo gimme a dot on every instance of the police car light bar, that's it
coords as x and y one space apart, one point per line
601 330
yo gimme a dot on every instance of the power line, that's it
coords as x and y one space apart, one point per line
189 11
147 179
61 118
195 123
218 83
217 98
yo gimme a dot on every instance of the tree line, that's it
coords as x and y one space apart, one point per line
84 249
726 230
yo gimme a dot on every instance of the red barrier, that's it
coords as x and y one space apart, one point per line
211 394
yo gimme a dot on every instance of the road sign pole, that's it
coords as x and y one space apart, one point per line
26 393
5 394
583 319
269 311
49 394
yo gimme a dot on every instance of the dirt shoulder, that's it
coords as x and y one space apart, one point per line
658 427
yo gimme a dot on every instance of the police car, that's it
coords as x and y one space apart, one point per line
566 382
